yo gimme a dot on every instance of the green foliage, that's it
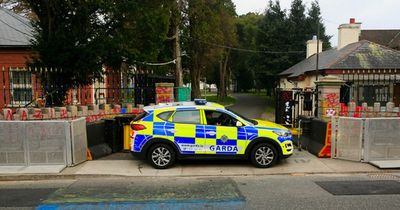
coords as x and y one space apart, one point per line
243 64
282 31
80 37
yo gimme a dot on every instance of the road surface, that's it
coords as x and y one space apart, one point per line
374 191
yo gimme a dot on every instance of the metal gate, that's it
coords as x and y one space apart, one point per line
292 103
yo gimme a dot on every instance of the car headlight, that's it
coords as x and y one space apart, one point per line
282 133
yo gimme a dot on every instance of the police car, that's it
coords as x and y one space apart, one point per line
166 132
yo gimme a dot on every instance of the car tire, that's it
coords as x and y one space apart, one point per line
263 155
161 156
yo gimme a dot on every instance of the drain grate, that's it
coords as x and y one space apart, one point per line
376 187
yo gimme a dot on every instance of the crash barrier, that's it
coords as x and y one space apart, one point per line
108 136
382 139
91 112
365 111
365 139
26 143
315 136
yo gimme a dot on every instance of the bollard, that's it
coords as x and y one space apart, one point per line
377 107
116 109
82 110
46 113
129 108
35 114
72 111
61 112
7 114
389 106
93 109
105 108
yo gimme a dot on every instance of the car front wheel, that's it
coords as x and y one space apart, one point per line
161 156
264 155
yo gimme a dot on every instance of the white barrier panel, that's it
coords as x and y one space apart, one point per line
78 141
46 142
42 142
382 139
348 139
12 144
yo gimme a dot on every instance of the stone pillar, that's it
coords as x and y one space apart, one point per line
328 97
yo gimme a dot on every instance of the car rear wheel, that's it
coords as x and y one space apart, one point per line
264 155
161 156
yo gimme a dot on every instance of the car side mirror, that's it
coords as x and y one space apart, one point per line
239 124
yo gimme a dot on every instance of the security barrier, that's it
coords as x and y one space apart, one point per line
26 143
347 138
382 139
366 139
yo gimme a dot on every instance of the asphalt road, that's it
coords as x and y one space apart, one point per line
256 192
249 105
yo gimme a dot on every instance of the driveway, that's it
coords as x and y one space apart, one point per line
249 105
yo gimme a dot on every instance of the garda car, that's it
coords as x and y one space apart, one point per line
166 132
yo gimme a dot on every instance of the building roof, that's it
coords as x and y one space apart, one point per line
389 38
15 30
360 55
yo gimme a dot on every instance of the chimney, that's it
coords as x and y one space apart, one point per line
349 33
312 47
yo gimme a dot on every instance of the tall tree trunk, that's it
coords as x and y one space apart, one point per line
177 45
195 80
223 64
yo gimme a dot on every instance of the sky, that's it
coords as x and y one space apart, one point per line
373 14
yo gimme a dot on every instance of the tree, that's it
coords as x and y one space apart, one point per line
226 15
244 63
79 37
298 33
66 38
313 19
202 30
274 36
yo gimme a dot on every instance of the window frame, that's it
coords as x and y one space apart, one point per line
188 110
227 113
169 116
24 84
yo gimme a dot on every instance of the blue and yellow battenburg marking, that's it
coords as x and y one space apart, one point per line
203 139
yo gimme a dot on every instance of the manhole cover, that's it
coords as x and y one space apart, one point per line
378 187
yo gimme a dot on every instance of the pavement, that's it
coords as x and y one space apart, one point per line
123 164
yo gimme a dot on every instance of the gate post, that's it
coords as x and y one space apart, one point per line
328 97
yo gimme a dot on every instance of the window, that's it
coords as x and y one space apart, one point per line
187 116
21 86
219 118
165 115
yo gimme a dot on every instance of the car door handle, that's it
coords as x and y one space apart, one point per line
171 130
211 133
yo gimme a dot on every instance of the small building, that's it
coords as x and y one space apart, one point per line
371 70
17 85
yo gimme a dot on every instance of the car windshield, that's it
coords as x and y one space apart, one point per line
243 117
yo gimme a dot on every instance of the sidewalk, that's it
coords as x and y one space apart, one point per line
123 164
300 163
